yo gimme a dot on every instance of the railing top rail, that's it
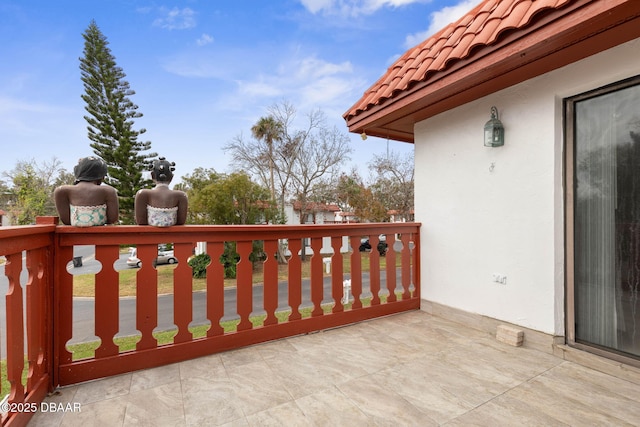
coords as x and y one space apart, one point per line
384 226
19 238
187 233
25 230
119 234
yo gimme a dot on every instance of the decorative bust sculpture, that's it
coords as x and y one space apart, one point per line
88 202
161 206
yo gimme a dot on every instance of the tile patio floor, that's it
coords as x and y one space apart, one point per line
411 369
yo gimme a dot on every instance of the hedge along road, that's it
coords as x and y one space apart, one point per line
83 307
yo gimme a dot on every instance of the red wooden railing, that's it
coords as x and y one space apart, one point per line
49 250
36 245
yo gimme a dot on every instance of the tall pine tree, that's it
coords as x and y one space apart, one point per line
111 119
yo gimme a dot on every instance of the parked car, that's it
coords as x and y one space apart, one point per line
382 246
164 257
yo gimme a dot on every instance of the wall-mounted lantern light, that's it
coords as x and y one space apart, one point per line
493 130
363 135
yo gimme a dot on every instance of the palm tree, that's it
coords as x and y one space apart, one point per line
269 130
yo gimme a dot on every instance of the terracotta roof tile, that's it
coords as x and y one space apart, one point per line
520 14
439 59
482 26
502 9
466 41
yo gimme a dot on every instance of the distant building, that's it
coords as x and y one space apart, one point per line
345 217
396 216
314 213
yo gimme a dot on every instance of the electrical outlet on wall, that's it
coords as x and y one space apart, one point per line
500 278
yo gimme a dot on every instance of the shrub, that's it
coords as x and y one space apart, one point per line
229 260
199 265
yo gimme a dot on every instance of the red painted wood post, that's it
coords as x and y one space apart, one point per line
244 276
38 313
15 327
391 267
295 279
270 268
147 296
317 285
374 270
47 220
182 292
106 301
356 272
337 274
1 419
416 264
215 288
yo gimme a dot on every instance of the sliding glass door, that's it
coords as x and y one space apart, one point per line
603 207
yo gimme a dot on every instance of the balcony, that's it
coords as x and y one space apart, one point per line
40 320
376 360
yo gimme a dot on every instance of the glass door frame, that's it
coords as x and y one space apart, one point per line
569 226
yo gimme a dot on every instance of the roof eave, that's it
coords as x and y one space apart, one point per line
557 39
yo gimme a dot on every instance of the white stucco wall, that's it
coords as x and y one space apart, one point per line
487 211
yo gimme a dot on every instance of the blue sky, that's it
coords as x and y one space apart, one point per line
204 71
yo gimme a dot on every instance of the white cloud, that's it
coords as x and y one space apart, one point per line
10 105
196 65
18 116
311 81
416 38
314 68
259 89
204 39
249 79
326 91
439 20
176 19
352 8
308 82
314 6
